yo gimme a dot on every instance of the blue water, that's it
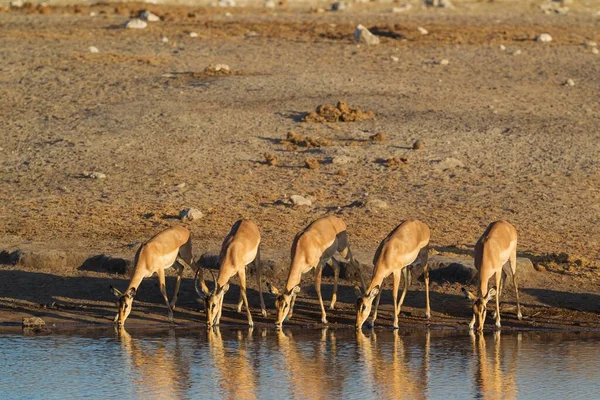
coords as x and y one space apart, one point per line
325 364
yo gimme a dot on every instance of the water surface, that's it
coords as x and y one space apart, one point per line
324 364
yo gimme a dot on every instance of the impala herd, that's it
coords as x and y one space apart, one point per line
313 248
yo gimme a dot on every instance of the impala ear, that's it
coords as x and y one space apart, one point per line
131 292
374 292
273 289
490 295
468 295
358 292
115 291
296 289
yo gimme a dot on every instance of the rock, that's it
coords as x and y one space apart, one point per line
136 23
363 35
93 49
148 16
226 3
298 200
447 164
93 13
402 8
339 6
33 321
394 58
269 4
341 160
444 61
181 185
590 43
375 204
516 52
502 47
423 31
190 214
569 82
16 3
94 175
595 51
193 34
543 37
165 39
418 145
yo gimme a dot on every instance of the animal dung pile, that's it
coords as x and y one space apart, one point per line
340 113
271 159
310 142
395 162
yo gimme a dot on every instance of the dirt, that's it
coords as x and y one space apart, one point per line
504 139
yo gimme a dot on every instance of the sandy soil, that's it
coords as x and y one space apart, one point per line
503 137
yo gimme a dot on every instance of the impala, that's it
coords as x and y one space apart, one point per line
495 247
406 244
240 248
314 247
171 247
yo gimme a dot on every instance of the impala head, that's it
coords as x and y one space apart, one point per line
214 304
363 305
479 306
124 303
283 302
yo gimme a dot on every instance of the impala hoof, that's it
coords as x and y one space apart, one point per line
264 313
520 316
324 321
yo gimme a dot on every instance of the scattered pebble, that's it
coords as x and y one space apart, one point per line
93 175
502 47
395 162
93 49
190 214
394 58
418 145
165 39
298 200
228 14
595 50
341 160
590 43
402 8
516 52
378 137
251 34
363 35
339 6
93 13
444 61
149 16
226 3
543 37
136 23
33 321
270 4
446 164
181 185
422 30
569 82
375 203
193 34
218 68
16 3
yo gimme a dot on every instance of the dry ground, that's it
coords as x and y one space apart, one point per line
503 138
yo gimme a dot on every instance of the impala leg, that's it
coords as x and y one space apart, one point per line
179 268
163 290
242 275
406 283
336 274
513 269
293 302
395 290
499 294
258 266
376 308
498 276
318 273
427 307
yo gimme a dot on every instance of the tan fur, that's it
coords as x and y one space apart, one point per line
307 249
396 252
496 247
240 248
154 256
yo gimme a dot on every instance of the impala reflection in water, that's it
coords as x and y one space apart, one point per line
265 363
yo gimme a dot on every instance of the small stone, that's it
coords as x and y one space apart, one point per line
445 4
418 145
193 34
590 43
595 51
341 160
502 47
422 30
378 137
363 35
543 37
181 185
16 3
190 214
165 39
251 34
33 321
226 3
93 49
569 82
402 8
136 23
93 13
394 58
94 175
219 67
312 163
516 52
376 203
298 200
339 6
270 4
444 61
149 16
